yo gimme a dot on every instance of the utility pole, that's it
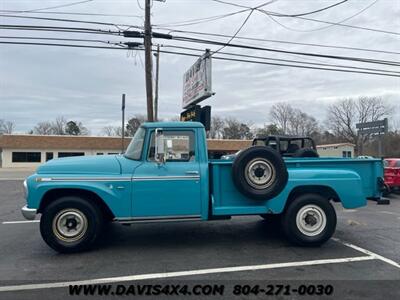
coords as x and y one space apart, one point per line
148 62
123 124
157 55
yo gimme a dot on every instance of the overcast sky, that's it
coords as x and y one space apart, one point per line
39 83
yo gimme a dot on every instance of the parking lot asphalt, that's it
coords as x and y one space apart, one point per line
362 259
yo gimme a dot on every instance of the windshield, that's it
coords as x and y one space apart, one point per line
134 150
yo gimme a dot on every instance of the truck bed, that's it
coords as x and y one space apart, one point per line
353 180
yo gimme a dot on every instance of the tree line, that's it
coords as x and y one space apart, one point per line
339 125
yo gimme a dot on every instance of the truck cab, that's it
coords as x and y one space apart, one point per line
165 175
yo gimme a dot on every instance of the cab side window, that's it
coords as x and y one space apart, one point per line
179 146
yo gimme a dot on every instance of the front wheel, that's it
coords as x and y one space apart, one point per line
309 220
70 224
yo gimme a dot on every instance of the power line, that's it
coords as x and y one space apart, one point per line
282 65
283 60
279 41
215 57
71 13
63 45
61 39
59 29
340 23
66 20
318 10
272 14
57 6
294 15
241 26
212 42
201 20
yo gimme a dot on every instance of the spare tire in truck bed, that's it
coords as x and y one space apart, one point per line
259 173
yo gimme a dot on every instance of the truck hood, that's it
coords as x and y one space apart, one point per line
101 164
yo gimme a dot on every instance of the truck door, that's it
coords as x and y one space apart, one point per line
172 189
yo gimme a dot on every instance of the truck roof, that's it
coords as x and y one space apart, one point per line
173 124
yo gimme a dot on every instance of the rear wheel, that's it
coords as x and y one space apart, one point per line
309 220
71 224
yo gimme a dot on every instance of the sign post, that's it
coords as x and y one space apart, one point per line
123 124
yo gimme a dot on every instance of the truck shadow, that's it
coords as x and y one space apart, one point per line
248 231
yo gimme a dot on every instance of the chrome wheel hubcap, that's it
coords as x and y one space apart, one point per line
259 173
311 220
70 225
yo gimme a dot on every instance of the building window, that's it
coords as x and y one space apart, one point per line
68 154
344 153
348 153
26 157
49 156
113 153
99 153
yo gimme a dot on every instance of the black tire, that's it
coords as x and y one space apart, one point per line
256 158
316 236
78 209
386 190
306 152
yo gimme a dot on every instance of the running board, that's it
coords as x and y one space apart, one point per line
158 219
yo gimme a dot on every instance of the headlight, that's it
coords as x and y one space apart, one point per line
25 190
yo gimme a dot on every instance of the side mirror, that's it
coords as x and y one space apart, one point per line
159 154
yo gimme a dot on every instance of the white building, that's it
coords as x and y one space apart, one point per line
336 150
29 151
26 151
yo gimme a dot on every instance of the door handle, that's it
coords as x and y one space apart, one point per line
192 172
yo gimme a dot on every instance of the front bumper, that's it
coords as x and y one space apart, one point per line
28 213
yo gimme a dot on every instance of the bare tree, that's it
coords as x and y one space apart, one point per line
343 116
112 131
301 123
43 128
281 114
217 127
6 127
58 126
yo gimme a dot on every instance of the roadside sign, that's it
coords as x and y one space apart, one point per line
197 113
374 127
197 81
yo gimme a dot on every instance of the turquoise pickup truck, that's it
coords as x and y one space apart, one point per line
165 175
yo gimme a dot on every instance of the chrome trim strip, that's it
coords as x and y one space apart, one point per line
158 219
83 179
139 178
150 178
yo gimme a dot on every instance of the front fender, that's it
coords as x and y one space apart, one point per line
114 191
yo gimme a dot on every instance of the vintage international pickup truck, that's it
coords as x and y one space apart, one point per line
165 175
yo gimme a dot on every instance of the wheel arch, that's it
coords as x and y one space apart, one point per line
87 195
322 190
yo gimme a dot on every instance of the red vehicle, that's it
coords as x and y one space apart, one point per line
392 174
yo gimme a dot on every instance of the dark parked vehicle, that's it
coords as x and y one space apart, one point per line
289 146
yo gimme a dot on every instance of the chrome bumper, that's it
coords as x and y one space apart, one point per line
28 213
